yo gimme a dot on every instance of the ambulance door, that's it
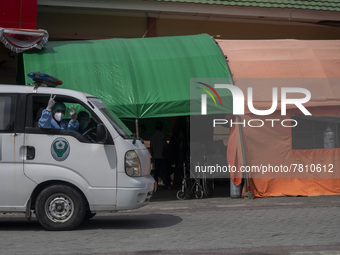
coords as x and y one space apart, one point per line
15 188
70 157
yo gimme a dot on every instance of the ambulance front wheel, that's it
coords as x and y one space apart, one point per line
60 207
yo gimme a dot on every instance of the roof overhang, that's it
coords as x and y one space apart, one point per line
180 10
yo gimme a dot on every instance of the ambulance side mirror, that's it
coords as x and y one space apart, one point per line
101 133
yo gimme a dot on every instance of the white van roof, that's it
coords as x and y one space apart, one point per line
43 90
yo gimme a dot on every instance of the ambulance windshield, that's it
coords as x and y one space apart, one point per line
114 120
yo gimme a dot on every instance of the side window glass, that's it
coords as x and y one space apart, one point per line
7 113
84 127
38 108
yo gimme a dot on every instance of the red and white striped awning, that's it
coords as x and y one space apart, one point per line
19 40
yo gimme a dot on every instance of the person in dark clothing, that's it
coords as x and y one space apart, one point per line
158 149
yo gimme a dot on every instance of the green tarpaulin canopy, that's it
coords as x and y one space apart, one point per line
136 78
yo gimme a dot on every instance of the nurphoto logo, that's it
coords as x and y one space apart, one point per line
238 104
238 100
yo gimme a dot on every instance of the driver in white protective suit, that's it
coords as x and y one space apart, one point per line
52 116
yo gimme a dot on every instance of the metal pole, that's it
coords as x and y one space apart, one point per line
137 128
247 193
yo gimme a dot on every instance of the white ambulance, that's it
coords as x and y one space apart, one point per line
63 176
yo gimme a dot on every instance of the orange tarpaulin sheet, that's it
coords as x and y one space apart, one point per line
275 60
294 187
282 58
235 155
273 146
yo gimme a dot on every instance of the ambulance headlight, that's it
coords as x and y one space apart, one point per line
132 164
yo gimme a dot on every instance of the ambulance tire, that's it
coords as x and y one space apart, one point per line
60 207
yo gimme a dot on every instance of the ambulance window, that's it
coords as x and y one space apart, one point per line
35 105
88 121
316 133
7 113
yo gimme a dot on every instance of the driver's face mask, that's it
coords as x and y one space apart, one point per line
58 116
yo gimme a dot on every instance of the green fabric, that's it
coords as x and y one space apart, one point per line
136 78
320 5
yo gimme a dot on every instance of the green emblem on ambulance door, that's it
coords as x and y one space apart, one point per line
60 149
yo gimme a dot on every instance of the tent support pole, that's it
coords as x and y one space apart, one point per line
247 192
137 128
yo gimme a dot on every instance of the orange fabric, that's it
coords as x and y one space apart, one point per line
294 187
278 59
267 145
264 64
233 156
273 146
282 58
